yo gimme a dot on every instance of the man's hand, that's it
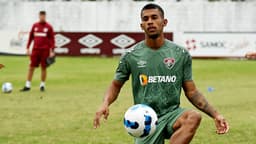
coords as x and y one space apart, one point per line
198 100
1 66
103 110
221 124
52 54
28 52
110 96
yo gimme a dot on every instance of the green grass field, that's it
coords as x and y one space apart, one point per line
64 113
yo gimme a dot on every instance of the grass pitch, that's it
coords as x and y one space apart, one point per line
75 87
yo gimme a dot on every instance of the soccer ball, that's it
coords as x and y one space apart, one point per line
140 121
7 87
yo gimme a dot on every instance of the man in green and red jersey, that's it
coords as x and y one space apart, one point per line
159 69
43 36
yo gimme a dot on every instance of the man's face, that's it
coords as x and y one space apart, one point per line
152 22
42 18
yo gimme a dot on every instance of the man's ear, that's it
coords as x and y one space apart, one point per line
141 26
165 22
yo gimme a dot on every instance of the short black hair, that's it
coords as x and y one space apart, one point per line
42 13
153 6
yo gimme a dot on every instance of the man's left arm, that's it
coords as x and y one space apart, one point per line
199 101
52 41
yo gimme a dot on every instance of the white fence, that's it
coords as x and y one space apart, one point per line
125 15
203 19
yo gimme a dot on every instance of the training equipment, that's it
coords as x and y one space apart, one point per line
140 121
50 61
7 87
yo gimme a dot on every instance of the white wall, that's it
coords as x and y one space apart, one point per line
124 15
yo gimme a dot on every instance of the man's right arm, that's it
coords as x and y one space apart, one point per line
110 96
30 38
122 74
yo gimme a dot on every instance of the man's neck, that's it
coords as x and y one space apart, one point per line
155 44
42 22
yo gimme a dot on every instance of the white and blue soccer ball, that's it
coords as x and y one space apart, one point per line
140 121
7 87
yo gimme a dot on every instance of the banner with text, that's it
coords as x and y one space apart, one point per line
206 44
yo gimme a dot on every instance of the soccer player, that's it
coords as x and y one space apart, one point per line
43 36
159 69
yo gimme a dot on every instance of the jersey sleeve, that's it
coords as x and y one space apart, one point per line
51 37
187 68
31 36
123 70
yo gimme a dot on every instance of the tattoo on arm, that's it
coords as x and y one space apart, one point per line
199 101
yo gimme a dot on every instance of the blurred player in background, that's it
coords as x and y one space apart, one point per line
43 36
159 70
1 66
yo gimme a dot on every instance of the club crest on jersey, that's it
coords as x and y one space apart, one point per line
45 29
169 62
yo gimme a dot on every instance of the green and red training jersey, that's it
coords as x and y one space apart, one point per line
157 75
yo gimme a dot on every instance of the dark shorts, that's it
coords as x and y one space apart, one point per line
38 57
164 128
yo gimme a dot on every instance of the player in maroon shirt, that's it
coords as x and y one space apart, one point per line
43 36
